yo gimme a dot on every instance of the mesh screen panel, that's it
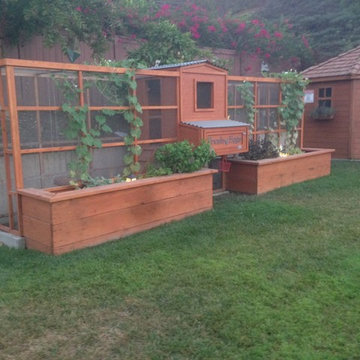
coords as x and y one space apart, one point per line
119 126
102 90
44 87
268 94
238 115
267 119
159 124
152 91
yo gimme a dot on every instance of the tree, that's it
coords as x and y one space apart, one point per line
164 42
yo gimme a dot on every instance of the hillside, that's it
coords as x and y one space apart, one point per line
330 26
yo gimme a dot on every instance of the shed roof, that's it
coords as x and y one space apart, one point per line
344 64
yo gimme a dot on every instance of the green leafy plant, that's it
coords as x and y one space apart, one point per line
293 86
261 149
164 43
120 89
246 90
323 113
182 157
78 130
100 180
294 151
152 170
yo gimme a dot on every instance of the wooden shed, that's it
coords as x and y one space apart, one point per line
334 84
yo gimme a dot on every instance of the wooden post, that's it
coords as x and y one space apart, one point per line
279 122
6 156
38 124
15 137
14 126
257 112
133 93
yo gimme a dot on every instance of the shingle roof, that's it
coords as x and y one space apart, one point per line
347 63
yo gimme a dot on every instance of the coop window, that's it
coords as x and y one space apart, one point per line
325 95
204 95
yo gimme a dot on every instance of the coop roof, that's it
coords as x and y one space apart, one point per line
184 64
344 64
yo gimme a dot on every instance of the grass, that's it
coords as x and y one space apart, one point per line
269 277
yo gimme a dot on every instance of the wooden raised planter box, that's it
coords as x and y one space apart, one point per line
261 176
57 221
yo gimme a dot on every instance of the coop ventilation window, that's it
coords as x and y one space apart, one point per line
204 95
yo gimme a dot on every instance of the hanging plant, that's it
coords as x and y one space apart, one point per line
246 90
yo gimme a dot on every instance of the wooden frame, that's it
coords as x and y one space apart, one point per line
9 66
261 176
62 220
256 81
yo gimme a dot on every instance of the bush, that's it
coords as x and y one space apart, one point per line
261 149
181 157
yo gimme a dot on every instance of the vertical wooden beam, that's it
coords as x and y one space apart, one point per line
38 124
178 110
256 100
6 155
226 97
279 122
181 92
14 125
15 136
81 88
133 92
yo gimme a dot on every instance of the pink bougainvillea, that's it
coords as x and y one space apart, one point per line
305 41
262 33
261 39
241 27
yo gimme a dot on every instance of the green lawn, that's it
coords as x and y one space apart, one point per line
269 277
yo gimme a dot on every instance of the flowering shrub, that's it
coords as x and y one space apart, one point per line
95 22
254 37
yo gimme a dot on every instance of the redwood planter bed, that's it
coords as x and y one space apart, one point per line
261 176
56 222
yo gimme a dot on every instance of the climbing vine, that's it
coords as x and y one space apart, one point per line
293 86
78 130
120 89
246 90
